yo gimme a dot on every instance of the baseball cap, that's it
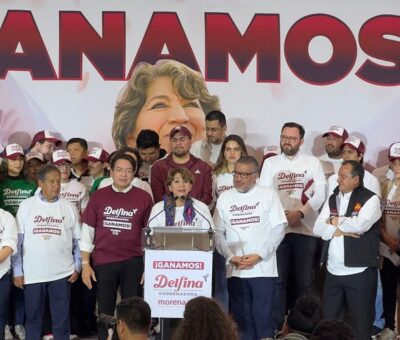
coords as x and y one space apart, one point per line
12 151
336 131
271 150
61 157
45 135
34 155
355 143
394 151
181 129
98 154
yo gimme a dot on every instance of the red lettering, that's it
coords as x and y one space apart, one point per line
106 53
261 39
375 40
19 27
165 29
344 49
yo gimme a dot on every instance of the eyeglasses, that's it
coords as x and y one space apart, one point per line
289 138
243 175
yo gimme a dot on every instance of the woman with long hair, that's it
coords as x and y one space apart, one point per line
232 149
14 188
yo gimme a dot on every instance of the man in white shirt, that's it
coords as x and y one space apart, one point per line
208 149
333 139
291 174
250 224
349 222
48 258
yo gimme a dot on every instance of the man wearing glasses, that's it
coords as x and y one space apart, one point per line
181 140
291 174
250 224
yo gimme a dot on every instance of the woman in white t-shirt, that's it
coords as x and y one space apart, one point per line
178 209
232 149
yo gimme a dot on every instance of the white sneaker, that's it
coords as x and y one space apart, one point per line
73 337
20 332
387 334
48 337
7 333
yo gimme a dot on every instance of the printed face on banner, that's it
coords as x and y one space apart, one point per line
164 109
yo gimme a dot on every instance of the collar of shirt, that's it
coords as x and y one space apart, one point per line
123 191
42 198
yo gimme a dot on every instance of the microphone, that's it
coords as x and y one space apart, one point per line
210 229
148 229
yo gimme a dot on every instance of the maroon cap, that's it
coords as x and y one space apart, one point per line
336 131
98 154
271 150
355 143
394 151
181 129
60 157
12 151
43 136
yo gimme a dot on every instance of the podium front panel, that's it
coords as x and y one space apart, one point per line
173 277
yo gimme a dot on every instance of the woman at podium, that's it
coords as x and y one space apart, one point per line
178 209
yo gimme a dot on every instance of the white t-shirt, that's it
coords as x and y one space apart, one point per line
250 223
136 182
330 165
391 206
8 238
76 193
370 182
48 230
198 221
292 178
223 182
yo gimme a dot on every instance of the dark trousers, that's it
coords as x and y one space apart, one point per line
390 278
220 285
82 310
357 292
126 275
250 303
295 258
5 288
58 293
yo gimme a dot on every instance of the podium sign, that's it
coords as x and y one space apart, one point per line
173 277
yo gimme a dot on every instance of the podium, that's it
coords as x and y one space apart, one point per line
178 268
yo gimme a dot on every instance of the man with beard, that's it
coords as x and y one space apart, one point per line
290 174
332 160
208 149
180 157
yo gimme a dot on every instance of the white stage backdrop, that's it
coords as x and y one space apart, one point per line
63 63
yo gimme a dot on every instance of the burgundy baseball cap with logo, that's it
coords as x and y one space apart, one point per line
394 151
45 136
34 155
355 143
98 154
336 131
12 151
182 130
61 157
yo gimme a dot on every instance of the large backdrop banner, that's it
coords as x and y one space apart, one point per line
65 65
